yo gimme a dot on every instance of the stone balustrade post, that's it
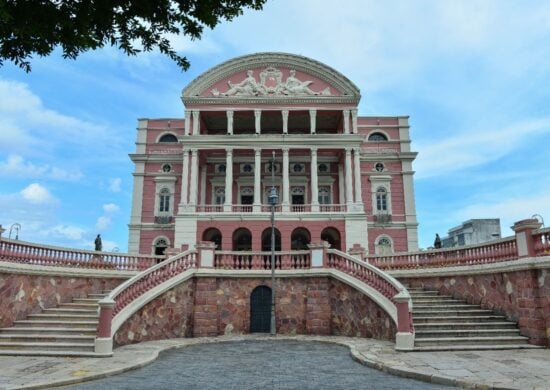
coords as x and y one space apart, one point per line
404 339
358 252
524 236
318 254
205 254
104 341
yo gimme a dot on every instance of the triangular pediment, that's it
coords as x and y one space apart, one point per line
271 78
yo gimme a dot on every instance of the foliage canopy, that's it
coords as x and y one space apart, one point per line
37 27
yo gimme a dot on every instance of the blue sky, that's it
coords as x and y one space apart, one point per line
474 76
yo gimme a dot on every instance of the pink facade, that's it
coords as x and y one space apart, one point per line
339 177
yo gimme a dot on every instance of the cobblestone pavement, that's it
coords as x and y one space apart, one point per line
509 369
257 364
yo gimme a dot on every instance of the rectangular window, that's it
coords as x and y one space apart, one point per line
164 205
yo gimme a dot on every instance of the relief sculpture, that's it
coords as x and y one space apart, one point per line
271 84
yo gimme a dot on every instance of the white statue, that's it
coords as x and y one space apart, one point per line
247 87
293 86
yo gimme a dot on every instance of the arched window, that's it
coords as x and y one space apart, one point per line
377 137
381 199
383 246
164 200
168 138
160 245
332 236
299 239
214 235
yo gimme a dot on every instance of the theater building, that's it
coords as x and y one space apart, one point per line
340 177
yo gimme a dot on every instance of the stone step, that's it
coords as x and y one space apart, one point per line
30 346
93 301
82 306
53 324
64 317
437 301
451 312
422 292
98 295
474 347
419 319
457 307
46 352
46 337
70 311
465 325
439 333
90 331
431 296
493 340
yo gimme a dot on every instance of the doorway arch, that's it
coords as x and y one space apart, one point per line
332 236
260 310
213 235
299 239
266 240
242 240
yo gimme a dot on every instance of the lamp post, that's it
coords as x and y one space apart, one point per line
17 227
272 199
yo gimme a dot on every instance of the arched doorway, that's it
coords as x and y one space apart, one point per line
299 239
266 240
332 236
260 310
214 235
242 240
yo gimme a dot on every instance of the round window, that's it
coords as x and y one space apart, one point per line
379 167
166 168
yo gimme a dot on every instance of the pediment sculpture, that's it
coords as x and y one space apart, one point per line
270 84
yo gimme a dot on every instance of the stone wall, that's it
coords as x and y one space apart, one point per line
168 316
210 306
523 296
21 295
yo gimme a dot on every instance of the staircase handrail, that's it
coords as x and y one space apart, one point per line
23 252
541 238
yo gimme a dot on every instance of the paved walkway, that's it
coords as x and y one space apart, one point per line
509 369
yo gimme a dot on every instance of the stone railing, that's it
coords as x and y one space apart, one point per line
262 260
22 252
264 208
541 242
385 285
111 314
491 252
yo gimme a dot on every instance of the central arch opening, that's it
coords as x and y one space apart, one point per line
260 310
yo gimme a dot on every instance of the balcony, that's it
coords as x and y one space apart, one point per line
382 218
163 219
265 208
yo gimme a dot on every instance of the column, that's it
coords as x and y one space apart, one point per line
349 195
286 181
202 190
194 178
228 205
257 207
229 121
187 121
357 170
346 121
285 121
341 189
258 121
314 181
312 120
196 122
184 179
354 121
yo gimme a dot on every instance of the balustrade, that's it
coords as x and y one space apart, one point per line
28 253
265 208
541 241
495 251
237 260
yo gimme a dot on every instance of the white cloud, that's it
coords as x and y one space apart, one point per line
115 184
111 208
69 232
37 194
103 222
16 166
475 147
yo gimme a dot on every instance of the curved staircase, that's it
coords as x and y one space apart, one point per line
66 330
444 323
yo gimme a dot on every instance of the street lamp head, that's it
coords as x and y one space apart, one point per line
273 197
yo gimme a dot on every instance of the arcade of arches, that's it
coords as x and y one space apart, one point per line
242 238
